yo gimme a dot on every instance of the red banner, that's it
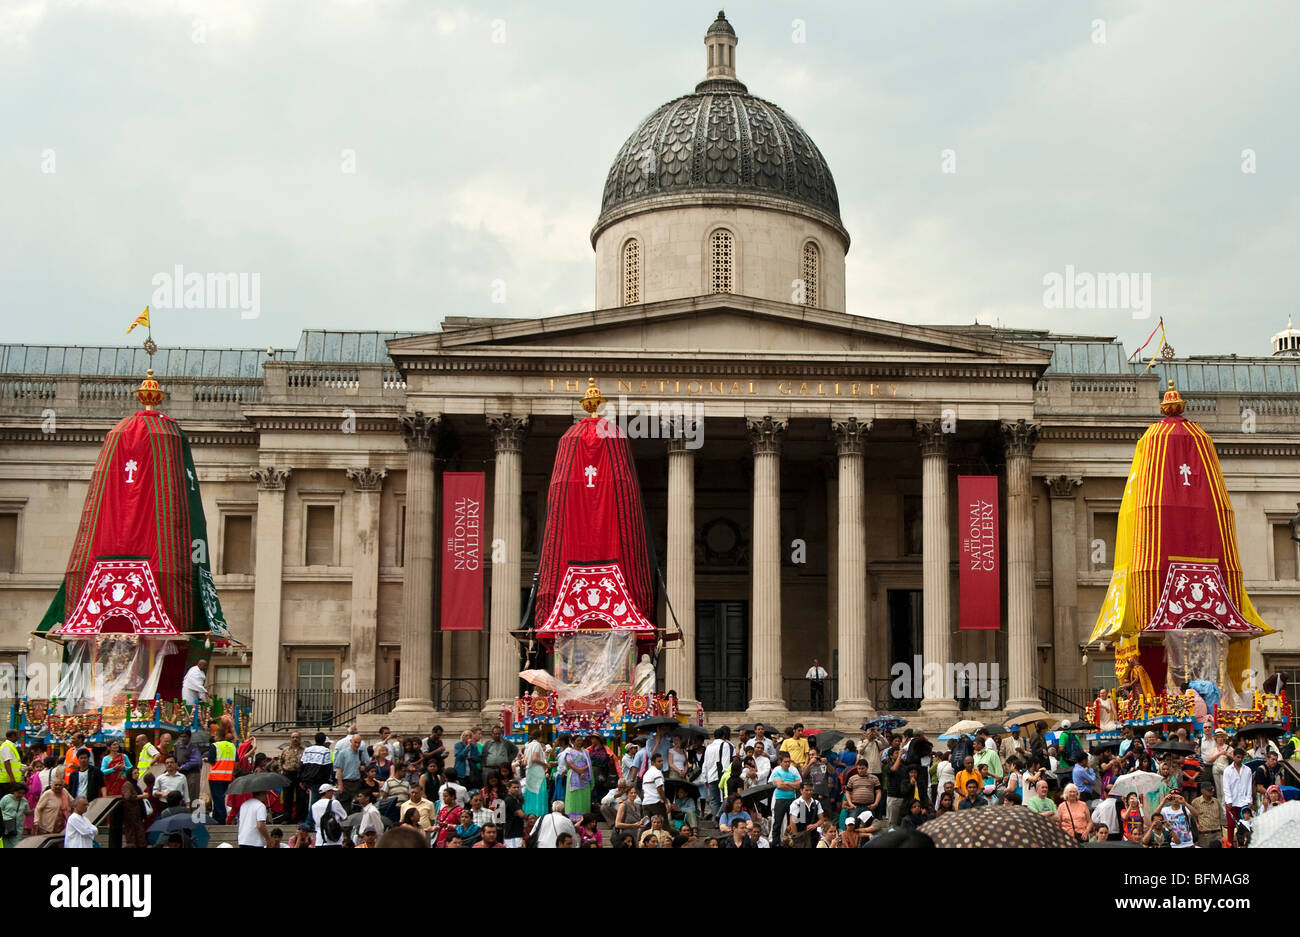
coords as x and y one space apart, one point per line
979 554
462 551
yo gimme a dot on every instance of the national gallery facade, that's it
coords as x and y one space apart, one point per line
801 508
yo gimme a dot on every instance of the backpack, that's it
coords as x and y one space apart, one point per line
330 828
1073 748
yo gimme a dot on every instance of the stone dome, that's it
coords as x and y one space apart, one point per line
720 141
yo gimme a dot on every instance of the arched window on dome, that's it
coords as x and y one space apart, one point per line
808 272
631 272
722 252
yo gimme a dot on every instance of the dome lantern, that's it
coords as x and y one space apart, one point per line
720 44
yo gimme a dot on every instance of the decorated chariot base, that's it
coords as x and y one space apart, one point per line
40 720
1111 712
616 720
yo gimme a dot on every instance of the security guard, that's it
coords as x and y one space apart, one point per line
221 756
11 760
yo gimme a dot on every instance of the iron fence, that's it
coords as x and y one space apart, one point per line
802 696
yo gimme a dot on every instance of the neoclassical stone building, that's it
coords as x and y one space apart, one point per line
816 518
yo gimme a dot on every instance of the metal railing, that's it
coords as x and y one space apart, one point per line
883 698
723 694
458 694
288 708
799 695
1066 699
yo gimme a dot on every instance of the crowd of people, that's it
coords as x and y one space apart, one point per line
676 788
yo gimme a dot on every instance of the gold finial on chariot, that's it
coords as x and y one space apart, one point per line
1172 404
149 393
593 399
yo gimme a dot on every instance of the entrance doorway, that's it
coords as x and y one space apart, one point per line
722 655
905 644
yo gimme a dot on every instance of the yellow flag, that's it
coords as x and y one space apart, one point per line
141 319
1159 348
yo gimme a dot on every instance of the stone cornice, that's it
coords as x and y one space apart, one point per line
327 424
83 436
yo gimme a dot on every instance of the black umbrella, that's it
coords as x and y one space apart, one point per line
748 727
655 722
759 793
1174 748
692 732
673 785
994 728
1270 730
1081 725
920 748
262 781
827 740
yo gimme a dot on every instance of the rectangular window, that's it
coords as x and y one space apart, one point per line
1104 524
8 543
320 535
315 690
1103 673
230 681
1284 563
237 545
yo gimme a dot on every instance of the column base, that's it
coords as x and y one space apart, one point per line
854 709
940 710
414 704
1025 702
761 710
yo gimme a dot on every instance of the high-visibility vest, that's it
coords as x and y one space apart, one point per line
224 769
148 755
11 763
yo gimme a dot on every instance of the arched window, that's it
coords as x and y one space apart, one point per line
722 262
632 272
808 271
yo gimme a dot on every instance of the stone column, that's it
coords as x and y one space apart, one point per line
1019 439
269 571
1065 582
508 434
368 483
854 701
679 663
420 433
765 436
936 576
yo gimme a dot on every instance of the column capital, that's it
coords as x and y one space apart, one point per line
1062 486
931 437
366 478
850 435
270 478
765 435
508 432
1019 438
420 431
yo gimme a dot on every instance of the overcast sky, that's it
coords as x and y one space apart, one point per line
212 134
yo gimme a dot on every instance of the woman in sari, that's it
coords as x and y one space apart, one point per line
449 815
114 767
576 764
132 809
535 776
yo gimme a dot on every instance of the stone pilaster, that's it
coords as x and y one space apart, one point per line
1019 439
367 483
508 433
420 433
853 700
1065 582
268 575
679 663
765 436
936 576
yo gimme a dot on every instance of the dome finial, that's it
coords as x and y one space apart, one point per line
1172 404
720 43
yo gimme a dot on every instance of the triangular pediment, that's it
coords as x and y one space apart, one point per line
713 326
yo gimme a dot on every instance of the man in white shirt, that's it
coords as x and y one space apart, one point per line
462 795
252 823
80 832
717 757
760 739
371 819
171 780
816 676
325 802
652 788
194 689
1238 791
552 825
762 766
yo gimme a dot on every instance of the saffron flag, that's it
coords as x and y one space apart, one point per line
141 319
462 551
980 553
